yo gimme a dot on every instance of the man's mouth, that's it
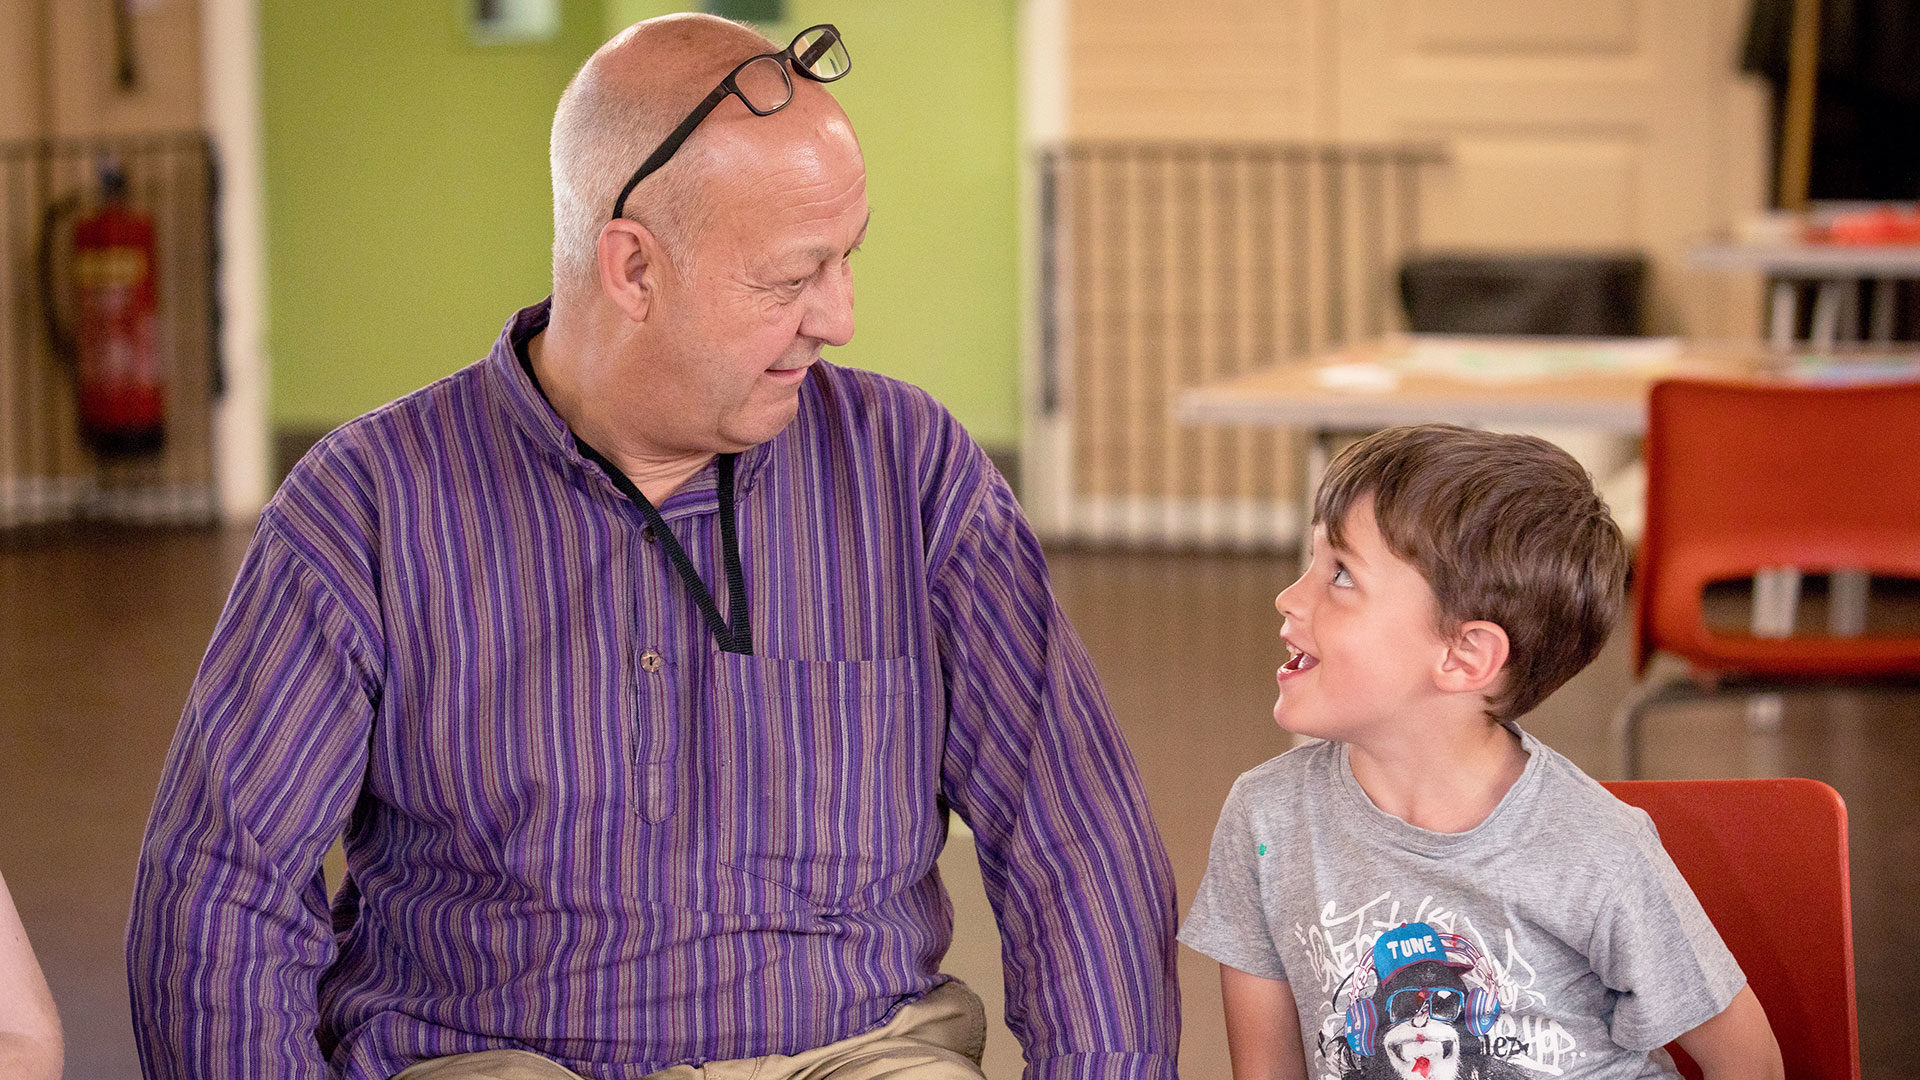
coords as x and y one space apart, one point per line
787 369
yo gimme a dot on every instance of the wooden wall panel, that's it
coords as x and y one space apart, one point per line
1514 189
20 105
1207 69
1525 26
87 99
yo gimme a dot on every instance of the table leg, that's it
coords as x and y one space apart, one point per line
1784 314
1313 466
1882 318
1825 330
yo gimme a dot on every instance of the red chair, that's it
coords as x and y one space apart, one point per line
1746 477
1768 860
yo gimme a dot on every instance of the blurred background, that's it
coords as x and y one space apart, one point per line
1083 209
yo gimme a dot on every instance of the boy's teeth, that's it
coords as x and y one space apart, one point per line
1299 661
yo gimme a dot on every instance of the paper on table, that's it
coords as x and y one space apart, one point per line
1365 377
1526 359
1855 369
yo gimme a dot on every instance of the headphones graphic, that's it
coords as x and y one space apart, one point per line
1408 944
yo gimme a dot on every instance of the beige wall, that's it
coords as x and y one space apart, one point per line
69 45
1211 69
1575 125
20 97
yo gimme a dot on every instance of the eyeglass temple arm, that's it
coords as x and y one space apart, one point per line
815 51
671 143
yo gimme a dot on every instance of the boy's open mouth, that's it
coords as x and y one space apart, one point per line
1298 662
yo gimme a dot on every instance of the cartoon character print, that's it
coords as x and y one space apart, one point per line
1414 1014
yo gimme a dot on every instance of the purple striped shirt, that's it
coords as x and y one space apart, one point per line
573 825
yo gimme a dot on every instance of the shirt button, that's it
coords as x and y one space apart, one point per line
650 661
647 534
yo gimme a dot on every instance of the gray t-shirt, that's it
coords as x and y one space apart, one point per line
1555 938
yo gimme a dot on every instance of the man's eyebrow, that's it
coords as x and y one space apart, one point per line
819 253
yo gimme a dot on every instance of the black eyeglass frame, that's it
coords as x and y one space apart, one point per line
729 87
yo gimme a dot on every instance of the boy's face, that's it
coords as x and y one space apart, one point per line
1360 630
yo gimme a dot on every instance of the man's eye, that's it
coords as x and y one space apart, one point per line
1341 577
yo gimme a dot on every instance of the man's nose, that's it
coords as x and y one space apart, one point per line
830 312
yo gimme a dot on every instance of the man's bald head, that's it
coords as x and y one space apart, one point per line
622 104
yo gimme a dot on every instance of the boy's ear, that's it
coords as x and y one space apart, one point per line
1475 658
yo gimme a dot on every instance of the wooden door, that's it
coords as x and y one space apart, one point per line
1573 125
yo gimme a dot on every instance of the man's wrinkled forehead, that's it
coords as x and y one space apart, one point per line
675 60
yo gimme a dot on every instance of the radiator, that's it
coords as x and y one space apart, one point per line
47 472
1163 265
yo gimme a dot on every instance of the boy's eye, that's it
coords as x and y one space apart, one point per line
1341 577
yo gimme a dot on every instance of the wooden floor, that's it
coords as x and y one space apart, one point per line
100 633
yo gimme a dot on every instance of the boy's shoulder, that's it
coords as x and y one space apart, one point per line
1570 807
1286 782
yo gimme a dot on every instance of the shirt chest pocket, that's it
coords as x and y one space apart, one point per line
824 781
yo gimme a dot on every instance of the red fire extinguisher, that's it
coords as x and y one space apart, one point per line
111 346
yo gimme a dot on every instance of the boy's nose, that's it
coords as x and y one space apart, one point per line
1288 602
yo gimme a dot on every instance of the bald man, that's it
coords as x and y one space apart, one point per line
640 666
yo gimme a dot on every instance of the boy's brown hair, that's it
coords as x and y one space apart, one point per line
1505 528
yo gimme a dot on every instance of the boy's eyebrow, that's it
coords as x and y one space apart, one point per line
1346 553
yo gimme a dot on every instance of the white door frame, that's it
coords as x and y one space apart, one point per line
230 79
1045 454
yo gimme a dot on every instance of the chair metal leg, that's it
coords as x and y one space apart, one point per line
1776 596
1765 713
1625 729
1847 602
1625 732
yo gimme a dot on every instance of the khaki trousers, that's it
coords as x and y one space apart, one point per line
939 1037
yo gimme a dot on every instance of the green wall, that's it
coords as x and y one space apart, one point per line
409 213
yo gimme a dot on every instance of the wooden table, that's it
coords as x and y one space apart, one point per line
1373 385
1382 383
1604 385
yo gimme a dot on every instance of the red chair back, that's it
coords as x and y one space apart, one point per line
1768 860
1744 476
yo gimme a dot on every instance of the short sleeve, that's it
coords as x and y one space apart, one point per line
1228 920
1654 946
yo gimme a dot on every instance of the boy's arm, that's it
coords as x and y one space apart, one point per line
1263 1027
1738 1043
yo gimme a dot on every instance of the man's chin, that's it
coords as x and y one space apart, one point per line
763 420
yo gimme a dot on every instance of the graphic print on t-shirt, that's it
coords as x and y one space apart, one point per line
1421 999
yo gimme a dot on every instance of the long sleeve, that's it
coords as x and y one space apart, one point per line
230 929
1037 767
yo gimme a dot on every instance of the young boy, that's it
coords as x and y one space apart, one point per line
1430 892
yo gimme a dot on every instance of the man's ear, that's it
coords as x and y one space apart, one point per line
630 261
1476 657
